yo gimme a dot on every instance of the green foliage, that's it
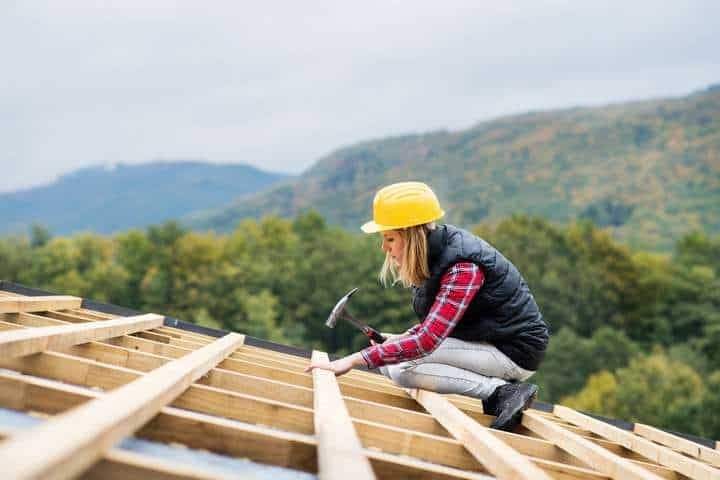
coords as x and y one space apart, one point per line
599 395
652 389
39 235
571 359
608 213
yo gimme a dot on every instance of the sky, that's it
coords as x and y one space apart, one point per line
279 84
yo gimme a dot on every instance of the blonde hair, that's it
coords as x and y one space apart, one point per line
414 269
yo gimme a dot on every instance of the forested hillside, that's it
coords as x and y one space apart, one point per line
635 333
108 200
648 170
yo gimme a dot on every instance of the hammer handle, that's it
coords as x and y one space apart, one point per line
374 335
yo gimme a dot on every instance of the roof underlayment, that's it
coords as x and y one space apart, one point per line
98 391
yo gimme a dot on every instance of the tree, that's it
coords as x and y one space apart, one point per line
652 389
39 235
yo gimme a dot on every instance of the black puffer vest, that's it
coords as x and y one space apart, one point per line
503 312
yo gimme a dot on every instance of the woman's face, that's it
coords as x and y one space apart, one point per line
393 243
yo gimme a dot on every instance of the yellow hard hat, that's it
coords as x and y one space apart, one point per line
403 205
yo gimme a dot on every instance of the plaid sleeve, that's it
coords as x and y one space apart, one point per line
457 288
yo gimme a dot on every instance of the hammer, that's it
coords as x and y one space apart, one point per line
339 311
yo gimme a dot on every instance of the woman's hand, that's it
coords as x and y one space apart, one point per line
340 366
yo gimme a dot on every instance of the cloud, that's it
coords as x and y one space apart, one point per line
279 84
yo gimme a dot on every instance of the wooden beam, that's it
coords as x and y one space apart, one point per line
120 464
679 444
94 314
354 379
305 380
499 459
6 326
224 436
38 304
63 369
247 408
31 320
656 453
244 399
75 440
184 335
340 454
148 346
27 341
219 378
159 337
597 457
392 467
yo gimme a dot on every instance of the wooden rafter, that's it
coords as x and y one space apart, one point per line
227 409
597 457
38 304
256 410
74 441
121 464
221 435
340 453
26 341
493 453
679 444
657 453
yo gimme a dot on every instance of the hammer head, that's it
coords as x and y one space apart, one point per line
338 309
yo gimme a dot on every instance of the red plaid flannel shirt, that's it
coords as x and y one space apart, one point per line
457 288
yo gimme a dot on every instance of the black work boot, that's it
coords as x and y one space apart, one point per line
511 399
490 406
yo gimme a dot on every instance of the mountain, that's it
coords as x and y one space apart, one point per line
106 200
649 170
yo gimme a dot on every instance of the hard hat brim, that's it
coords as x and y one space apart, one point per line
372 227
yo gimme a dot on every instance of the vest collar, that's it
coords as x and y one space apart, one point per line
437 240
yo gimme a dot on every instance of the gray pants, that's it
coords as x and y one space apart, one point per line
474 369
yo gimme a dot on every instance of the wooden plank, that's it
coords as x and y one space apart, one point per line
31 320
499 459
680 444
6 326
257 410
75 440
64 368
148 346
94 314
355 378
220 435
339 451
561 471
162 338
446 451
392 467
202 398
657 453
27 341
597 457
38 304
305 380
243 383
120 464
184 335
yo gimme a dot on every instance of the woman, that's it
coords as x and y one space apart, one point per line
481 333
